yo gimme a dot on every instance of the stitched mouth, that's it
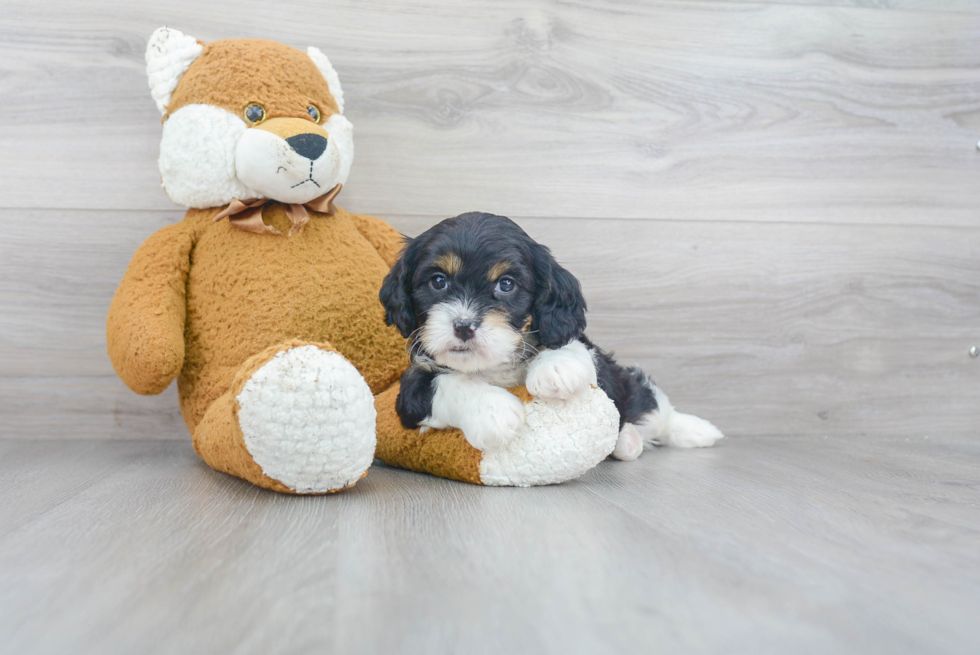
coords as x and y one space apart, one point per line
309 179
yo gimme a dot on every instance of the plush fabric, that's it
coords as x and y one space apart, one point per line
445 453
233 73
168 54
197 157
145 330
247 292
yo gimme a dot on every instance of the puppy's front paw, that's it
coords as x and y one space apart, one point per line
496 420
556 376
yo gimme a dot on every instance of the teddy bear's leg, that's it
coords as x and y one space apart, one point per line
560 440
298 418
444 453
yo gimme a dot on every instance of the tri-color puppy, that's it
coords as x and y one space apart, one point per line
485 308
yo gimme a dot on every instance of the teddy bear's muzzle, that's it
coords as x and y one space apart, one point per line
304 136
287 159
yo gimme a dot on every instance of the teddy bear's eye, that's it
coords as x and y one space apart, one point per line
314 113
254 113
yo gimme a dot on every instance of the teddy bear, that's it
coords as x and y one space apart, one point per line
263 301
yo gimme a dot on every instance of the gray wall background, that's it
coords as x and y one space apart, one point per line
773 207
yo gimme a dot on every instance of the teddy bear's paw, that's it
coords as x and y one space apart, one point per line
308 420
561 374
629 445
561 440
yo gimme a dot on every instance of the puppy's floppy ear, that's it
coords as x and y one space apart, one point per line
396 291
558 313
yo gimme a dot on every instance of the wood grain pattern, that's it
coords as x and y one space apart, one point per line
678 110
756 546
764 328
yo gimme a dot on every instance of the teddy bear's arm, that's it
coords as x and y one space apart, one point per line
386 240
145 326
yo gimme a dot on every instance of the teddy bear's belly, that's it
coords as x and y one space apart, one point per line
247 292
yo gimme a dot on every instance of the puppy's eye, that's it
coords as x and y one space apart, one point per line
438 281
506 284
314 113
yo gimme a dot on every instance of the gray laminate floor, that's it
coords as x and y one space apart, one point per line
831 545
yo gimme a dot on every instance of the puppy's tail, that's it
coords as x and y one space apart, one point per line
665 426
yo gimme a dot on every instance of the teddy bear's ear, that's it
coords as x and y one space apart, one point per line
168 56
329 74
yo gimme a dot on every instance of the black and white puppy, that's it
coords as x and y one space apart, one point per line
485 307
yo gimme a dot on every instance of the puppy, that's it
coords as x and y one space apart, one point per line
485 308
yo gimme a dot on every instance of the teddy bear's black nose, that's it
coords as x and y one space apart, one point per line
310 146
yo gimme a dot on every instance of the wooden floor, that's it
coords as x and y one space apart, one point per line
761 545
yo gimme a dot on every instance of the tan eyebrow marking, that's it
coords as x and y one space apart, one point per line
450 263
498 269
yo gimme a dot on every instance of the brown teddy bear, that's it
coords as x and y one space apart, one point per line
263 301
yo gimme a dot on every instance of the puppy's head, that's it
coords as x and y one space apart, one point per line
474 291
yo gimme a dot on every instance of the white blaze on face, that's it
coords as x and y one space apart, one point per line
494 343
266 163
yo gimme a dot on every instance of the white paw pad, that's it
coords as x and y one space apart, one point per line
308 420
560 440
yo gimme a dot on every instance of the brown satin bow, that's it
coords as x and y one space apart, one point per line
248 215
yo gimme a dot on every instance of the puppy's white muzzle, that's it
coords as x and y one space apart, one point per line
493 341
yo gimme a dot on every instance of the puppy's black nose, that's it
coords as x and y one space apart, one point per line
464 329
310 146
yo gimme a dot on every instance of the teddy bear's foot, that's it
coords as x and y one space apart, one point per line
299 419
560 440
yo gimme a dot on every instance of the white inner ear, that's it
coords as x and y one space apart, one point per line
169 54
329 74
